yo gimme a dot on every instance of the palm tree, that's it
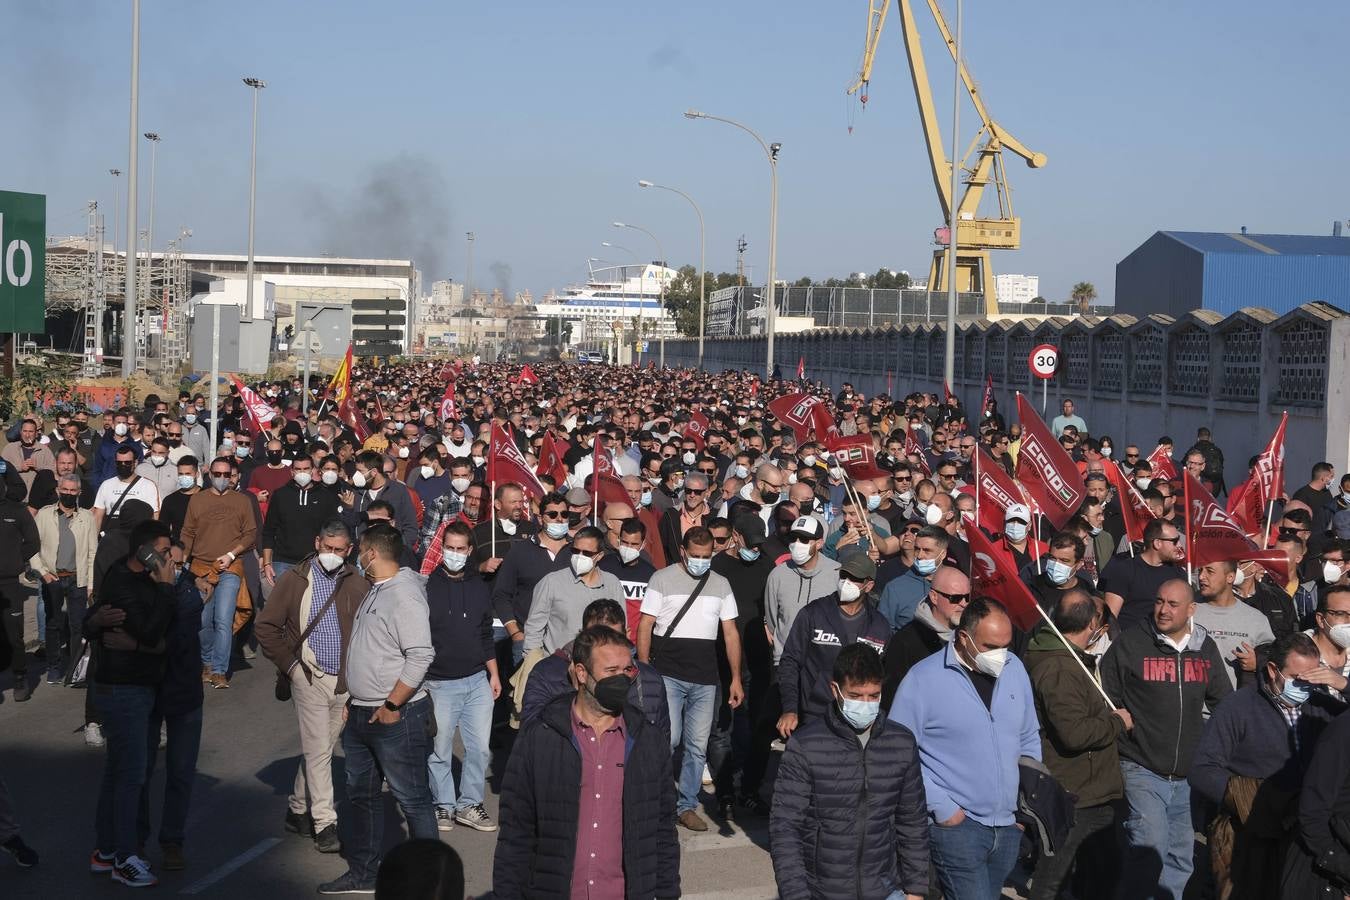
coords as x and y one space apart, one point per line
1083 294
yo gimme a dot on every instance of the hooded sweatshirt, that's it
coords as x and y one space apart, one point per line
788 589
391 639
1167 691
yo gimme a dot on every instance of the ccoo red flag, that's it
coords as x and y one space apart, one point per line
1045 470
996 492
1133 510
1214 536
603 483
448 412
506 464
857 456
257 409
804 413
1244 505
913 448
551 460
1270 467
993 573
697 429
1161 464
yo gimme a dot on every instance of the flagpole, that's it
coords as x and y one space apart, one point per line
861 507
1072 649
976 459
1186 498
1034 546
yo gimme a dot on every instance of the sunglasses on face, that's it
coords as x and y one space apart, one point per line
1131 455
591 554
554 514
1171 540
956 599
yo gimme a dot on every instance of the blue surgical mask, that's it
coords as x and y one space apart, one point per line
646 498
860 713
1058 572
1015 531
874 502
556 530
1295 692
925 567
242 452
748 554
698 567
185 482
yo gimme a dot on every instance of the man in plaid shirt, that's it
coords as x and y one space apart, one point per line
447 506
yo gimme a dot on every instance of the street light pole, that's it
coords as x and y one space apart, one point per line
661 289
642 282
771 153
134 145
117 208
468 279
153 138
949 366
702 258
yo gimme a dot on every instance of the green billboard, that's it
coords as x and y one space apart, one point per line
23 262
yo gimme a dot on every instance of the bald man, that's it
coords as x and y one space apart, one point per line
934 623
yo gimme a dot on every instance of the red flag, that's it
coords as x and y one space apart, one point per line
1045 469
507 464
527 375
448 413
1270 468
987 403
256 408
1133 510
994 574
857 456
948 397
1213 536
697 429
801 367
754 388
802 413
913 448
1244 505
603 482
348 416
551 460
997 491
379 410
1162 464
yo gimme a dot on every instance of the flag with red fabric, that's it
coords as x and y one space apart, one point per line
348 416
801 367
1214 536
527 375
947 396
1244 505
379 410
697 429
1270 468
913 448
258 410
754 388
1161 463
448 412
997 492
1134 512
551 460
507 464
987 402
603 483
993 573
857 456
1045 470
804 413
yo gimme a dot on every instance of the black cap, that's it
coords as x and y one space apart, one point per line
751 529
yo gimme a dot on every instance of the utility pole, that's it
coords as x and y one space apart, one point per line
740 282
129 287
468 280
949 366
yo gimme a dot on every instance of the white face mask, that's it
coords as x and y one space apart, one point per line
156 460
120 429
302 479
688 457
426 471
330 562
460 485
740 472
1340 635
1016 531
800 552
581 565
933 514
991 662
1106 451
849 590
1142 483
454 560
1331 572
628 554
402 452
905 496
329 477
508 527
809 460
358 479
186 482
479 461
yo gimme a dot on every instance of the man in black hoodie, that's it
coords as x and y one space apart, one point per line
18 542
1165 670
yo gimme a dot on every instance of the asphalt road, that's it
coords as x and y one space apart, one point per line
236 847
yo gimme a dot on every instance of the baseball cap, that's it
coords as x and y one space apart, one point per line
1019 512
859 565
808 526
751 528
578 497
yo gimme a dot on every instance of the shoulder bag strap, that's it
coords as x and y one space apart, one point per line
693 595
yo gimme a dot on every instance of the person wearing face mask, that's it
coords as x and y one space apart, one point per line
902 593
116 436
295 513
1078 745
125 485
560 597
691 512
1017 540
305 630
626 561
589 757
448 505
933 626
196 435
1259 743
462 681
429 478
1331 635
1061 570
525 566
67 538
807 576
821 630
971 711
1166 670
157 469
848 814
686 608
370 485
386 735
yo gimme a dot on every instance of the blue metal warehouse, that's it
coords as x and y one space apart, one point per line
1174 272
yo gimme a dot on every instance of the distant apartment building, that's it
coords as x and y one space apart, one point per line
1017 288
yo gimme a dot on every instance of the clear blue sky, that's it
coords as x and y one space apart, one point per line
393 128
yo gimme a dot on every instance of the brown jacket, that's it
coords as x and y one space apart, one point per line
280 624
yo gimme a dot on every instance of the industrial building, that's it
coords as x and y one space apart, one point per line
1175 272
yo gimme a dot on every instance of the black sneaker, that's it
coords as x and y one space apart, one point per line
326 841
55 675
752 804
299 823
22 691
347 884
23 854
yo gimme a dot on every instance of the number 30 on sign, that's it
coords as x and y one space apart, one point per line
1043 361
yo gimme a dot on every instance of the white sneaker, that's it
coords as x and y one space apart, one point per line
163 735
707 776
445 820
93 735
134 872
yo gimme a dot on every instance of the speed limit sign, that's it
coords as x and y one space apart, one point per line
1043 361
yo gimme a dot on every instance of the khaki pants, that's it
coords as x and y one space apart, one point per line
319 712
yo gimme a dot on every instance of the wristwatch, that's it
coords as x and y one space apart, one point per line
392 707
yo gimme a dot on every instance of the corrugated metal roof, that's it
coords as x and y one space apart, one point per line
1262 244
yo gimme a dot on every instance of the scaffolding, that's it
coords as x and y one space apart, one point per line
177 288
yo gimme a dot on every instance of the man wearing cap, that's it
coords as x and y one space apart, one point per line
579 509
903 593
807 576
823 628
1016 538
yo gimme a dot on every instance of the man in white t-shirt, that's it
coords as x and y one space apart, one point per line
1237 628
125 485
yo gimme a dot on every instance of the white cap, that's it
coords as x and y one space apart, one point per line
808 525
1018 511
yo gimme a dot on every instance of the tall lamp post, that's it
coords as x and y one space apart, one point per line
702 257
468 280
154 139
133 150
949 366
642 276
661 289
771 153
117 208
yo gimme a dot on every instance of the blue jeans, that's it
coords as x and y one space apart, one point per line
180 770
394 753
125 710
217 633
973 860
61 607
281 568
692 707
1159 839
466 704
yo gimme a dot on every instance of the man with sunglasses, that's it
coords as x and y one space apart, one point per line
1131 583
691 512
560 598
935 621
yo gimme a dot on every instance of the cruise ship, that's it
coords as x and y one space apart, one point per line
623 295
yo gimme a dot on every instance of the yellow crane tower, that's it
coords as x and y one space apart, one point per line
975 236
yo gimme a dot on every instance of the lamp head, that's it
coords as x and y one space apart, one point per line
618 225
694 114
255 83
152 136
644 183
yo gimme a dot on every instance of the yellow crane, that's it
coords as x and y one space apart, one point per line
975 236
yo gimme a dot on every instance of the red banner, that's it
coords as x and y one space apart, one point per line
857 456
993 573
801 367
1133 510
803 414
1214 536
603 482
507 464
551 460
913 448
1270 467
348 416
1162 464
448 413
996 492
987 402
1045 469
527 375
258 410
697 429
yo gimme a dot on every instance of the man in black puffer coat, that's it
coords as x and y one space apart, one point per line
850 818
630 793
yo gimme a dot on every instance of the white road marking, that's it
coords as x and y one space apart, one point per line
230 867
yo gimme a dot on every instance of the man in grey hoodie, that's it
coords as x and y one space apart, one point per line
388 730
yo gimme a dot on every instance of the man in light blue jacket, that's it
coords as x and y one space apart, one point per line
971 710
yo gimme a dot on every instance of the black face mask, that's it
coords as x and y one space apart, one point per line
274 457
612 693
68 500
125 468
770 497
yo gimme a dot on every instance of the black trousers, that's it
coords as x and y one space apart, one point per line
12 596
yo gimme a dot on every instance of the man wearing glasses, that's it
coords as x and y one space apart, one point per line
561 597
935 621
1131 583
691 512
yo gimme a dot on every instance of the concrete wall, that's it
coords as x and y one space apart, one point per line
1133 379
